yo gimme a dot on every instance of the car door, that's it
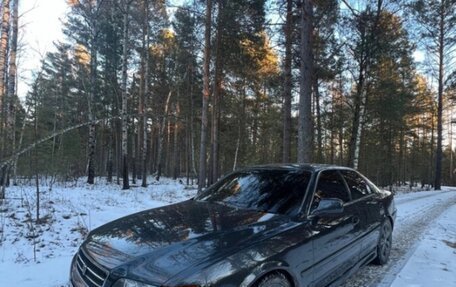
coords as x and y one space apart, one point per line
370 208
334 245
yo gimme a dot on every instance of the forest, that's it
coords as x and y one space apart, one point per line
195 89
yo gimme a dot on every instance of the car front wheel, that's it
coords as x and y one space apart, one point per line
384 243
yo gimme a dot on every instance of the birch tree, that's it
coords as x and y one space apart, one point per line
83 27
12 75
5 27
363 47
92 92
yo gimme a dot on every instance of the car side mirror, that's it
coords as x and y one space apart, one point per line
329 206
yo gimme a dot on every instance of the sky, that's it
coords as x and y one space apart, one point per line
40 22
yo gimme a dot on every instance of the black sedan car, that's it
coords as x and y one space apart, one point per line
287 225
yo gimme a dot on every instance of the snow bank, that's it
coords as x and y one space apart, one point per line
40 254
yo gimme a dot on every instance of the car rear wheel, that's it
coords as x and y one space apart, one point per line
276 279
384 243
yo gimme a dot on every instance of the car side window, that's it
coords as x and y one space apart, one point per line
358 186
330 185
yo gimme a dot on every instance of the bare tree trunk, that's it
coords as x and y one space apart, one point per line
241 125
450 142
141 97
134 152
287 86
402 176
54 140
319 126
161 138
35 161
353 152
111 76
167 162
93 83
118 147
441 47
192 130
11 94
176 169
144 102
109 165
216 98
187 151
92 128
238 144
359 130
432 152
305 95
204 112
37 186
153 149
19 146
140 117
4 51
125 177
3 72
12 75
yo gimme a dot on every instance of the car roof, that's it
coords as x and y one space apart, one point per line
312 167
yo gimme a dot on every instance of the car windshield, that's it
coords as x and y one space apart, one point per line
278 191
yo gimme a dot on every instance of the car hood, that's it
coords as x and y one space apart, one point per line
160 243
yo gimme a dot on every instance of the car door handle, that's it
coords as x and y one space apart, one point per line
355 220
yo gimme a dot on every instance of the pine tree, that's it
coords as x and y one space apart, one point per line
206 95
306 71
288 84
436 21
124 111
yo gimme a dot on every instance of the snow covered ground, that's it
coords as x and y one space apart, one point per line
32 256
40 255
433 262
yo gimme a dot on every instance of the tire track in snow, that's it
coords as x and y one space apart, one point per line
414 216
409 199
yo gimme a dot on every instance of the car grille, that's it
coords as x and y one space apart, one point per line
93 275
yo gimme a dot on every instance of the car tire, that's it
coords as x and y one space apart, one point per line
276 279
385 243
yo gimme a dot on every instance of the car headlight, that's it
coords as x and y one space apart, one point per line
131 283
